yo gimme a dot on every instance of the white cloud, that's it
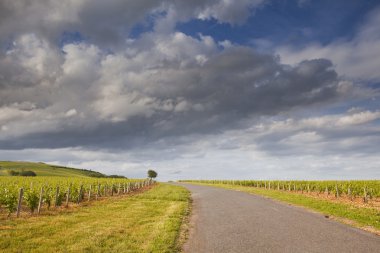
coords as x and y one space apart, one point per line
71 112
304 137
29 61
322 122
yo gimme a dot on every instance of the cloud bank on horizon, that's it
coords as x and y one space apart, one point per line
194 89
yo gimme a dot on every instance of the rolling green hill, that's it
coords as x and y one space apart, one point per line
43 169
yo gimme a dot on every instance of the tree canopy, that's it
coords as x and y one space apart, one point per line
152 174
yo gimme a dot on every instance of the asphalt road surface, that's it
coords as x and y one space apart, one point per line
231 221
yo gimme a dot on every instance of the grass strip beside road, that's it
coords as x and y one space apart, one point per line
146 222
365 218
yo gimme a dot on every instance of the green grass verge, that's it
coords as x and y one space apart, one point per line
43 169
147 222
361 217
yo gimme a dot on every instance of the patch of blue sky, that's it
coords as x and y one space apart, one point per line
71 37
6 45
374 85
363 104
140 29
147 25
287 22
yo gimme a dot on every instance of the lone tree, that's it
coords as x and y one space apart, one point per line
152 174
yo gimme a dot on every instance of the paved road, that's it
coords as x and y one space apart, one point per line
230 221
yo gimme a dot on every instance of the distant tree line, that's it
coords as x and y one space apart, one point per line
115 176
23 173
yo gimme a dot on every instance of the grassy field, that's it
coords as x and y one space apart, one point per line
368 218
147 222
43 169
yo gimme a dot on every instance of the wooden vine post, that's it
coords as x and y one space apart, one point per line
80 194
56 197
336 191
365 197
40 200
97 192
68 196
21 193
89 193
349 193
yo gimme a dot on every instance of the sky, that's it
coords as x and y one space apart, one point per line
201 89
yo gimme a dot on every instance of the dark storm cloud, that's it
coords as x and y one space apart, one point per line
246 82
231 86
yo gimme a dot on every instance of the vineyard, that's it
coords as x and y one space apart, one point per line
34 195
367 190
